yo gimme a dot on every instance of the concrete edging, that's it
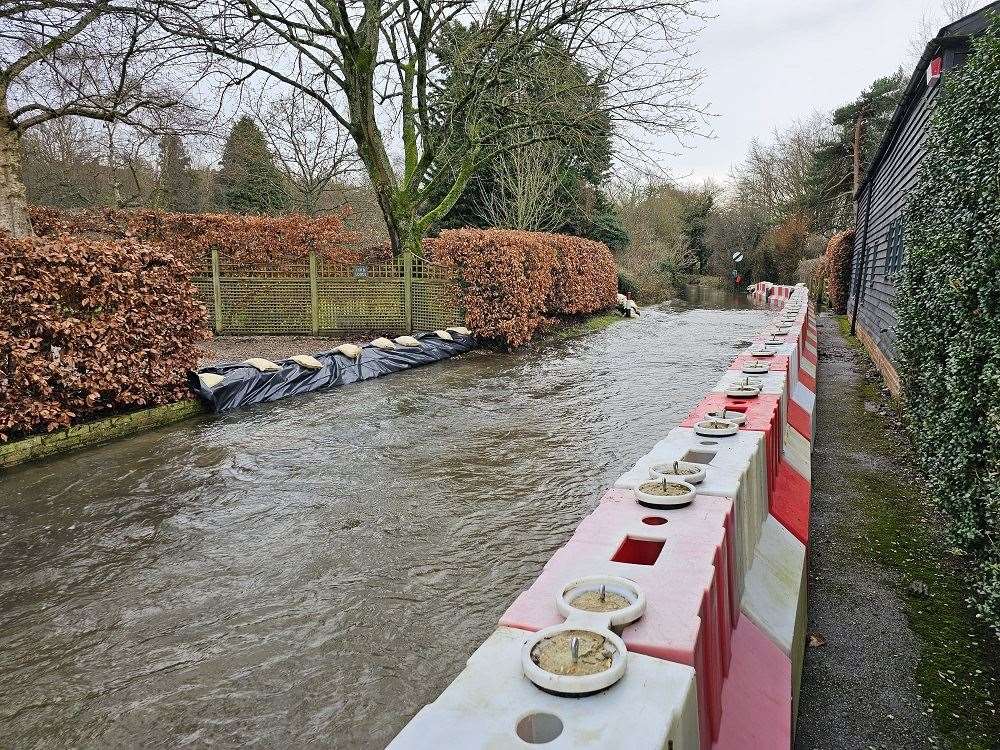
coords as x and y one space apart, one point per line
94 433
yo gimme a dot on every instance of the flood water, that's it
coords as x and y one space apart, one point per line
312 572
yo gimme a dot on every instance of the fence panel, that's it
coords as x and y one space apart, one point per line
312 296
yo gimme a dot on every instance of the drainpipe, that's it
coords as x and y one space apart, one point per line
864 258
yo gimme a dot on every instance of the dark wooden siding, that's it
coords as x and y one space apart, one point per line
889 185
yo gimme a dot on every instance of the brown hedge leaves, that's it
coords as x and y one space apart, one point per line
192 237
90 327
512 281
837 263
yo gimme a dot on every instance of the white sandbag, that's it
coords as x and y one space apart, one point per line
209 379
383 343
444 335
461 330
407 341
349 350
304 360
264 365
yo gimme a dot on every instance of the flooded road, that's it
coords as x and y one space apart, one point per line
312 572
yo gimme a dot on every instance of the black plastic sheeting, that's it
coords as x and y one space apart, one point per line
244 384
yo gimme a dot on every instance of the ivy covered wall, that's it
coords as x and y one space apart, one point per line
948 302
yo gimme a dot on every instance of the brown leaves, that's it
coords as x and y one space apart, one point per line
512 280
192 237
837 266
89 327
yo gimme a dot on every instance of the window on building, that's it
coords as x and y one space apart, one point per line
894 251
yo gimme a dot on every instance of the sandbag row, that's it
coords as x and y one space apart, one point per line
671 618
230 386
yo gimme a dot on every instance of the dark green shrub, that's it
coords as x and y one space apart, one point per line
949 311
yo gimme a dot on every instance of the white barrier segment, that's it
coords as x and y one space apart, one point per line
775 594
655 706
808 367
736 468
797 451
807 400
773 383
789 349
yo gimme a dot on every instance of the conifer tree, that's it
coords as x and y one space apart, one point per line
177 189
249 181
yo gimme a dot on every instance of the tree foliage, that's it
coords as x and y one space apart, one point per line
177 188
948 301
249 182
831 179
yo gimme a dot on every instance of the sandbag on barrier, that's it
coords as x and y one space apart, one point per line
242 384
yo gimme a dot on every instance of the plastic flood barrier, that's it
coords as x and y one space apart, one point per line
492 705
243 384
691 573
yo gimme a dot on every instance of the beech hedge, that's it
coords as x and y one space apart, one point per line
91 327
837 265
515 282
948 301
191 237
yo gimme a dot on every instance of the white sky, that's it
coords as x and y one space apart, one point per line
770 62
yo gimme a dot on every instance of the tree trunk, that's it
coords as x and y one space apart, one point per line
857 150
13 196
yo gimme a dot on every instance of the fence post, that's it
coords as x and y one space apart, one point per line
313 292
216 291
408 290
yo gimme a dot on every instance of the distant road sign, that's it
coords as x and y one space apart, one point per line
737 256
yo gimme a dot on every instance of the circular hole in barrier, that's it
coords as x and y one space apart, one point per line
709 442
654 520
539 728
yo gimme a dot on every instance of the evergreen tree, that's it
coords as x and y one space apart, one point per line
177 189
580 124
249 181
861 124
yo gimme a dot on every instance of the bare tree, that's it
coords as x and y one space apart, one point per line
91 59
932 21
773 179
376 66
313 149
523 189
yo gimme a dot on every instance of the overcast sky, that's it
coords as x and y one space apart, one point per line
770 62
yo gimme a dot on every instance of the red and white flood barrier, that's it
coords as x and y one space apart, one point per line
675 616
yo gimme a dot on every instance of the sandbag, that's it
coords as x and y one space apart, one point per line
242 385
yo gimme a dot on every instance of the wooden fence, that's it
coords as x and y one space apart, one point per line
313 296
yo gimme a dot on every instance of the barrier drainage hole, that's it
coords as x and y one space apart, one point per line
709 442
654 520
539 728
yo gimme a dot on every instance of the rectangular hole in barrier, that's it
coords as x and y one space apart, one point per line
698 457
737 406
635 551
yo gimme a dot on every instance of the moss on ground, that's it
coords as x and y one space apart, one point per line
590 324
958 669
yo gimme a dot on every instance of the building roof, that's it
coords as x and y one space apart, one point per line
954 34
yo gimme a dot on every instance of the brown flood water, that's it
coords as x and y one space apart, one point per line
309 573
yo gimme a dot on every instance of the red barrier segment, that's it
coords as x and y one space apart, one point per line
807 380
798 418
687 586
757 695
790 502
763 414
